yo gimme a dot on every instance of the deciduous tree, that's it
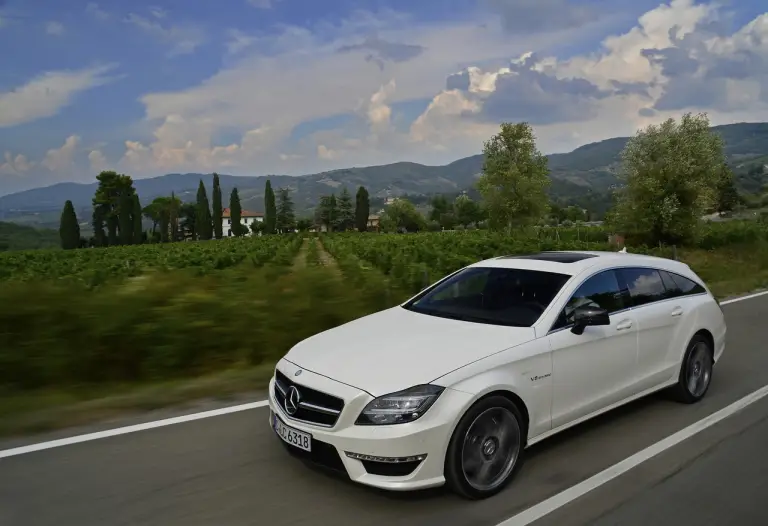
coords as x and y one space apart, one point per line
189 220
466 210
327 212
671 174
515 178
286 218
402 215
346 218
114 201
727 195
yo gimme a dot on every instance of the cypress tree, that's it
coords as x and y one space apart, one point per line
270 210
362 209
203 219
69 229
174 218
217 211
138 228
235 212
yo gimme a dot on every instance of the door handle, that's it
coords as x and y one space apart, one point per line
624 325
677 311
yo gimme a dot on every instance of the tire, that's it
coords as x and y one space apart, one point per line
470 447
699 356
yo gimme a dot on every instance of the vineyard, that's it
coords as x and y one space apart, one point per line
95 266
411 262
147 313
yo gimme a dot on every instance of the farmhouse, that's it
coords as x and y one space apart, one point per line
373 222
246 219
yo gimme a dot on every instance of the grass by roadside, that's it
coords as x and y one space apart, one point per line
155 342
49 410
730 271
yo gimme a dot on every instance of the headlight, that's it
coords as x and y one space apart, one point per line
400 408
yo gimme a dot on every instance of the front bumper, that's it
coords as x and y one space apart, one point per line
359 451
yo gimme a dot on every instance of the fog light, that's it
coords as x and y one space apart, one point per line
387 460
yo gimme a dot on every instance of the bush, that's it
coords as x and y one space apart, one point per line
161 326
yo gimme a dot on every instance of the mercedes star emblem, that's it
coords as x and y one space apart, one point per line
292 401
297 373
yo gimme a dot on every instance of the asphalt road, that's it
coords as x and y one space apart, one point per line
230 470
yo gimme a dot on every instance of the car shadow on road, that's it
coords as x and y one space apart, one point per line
626 412
546 447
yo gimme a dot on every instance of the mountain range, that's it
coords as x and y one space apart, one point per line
583 175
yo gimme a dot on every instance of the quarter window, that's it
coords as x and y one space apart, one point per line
645 285
601 290
673 289
687 286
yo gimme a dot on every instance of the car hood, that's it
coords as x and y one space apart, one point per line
396 349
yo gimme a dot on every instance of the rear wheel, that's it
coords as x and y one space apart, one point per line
696 371
486 448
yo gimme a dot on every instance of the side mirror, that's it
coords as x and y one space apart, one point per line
587 316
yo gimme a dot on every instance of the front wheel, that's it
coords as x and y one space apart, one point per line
486 448
695 372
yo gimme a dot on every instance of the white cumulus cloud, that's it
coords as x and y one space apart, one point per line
46 94
62 159
97 161
367 75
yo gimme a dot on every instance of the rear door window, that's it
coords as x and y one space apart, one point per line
645 285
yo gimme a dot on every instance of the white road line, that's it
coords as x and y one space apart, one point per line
129 429
187 418
569 495
742 298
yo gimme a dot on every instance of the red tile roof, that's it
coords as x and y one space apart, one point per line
244 213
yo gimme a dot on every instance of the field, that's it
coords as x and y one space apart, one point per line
149 325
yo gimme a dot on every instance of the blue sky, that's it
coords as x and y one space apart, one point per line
253 87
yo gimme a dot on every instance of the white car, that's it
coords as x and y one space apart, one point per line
451 386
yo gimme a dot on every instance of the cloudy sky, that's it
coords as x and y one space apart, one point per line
254 87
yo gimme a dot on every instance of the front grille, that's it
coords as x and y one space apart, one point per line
322 454
314 407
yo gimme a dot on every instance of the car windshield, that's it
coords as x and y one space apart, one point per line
498 296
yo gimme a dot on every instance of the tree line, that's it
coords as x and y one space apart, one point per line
671 175
118 215
340 214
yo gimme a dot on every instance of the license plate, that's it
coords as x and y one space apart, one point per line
290 435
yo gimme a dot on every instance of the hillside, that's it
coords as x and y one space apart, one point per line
18 237
584 175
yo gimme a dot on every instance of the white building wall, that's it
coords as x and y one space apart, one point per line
226 224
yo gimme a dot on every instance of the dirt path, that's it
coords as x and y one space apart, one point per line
300 261
326 259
